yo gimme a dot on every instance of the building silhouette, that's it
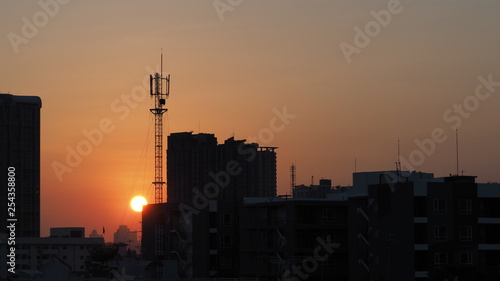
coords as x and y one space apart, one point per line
66 245
94 234
413 226
197 161
20 153
389 225
196 231
124 235
279 238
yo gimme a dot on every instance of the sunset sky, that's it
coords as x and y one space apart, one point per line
408 70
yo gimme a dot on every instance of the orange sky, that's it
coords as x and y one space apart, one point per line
230 67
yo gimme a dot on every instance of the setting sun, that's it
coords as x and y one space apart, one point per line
137 202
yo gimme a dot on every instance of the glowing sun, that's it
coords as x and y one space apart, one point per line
137 202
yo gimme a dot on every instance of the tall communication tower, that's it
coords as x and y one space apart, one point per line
159 89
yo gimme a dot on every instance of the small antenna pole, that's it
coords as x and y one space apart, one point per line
399 160
456 142
292 178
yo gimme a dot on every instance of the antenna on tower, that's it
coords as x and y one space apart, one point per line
292 178
159 94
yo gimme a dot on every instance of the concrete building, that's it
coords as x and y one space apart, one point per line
413 226
390 225
197 230
313 191
20 155
197 162
68 245
124 235
293 239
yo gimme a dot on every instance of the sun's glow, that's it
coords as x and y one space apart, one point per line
137 202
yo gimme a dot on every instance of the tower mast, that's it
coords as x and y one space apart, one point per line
159 94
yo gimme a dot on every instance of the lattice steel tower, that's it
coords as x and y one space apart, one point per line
159 89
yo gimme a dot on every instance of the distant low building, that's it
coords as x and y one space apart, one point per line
68 245
313 191
94 234
124 235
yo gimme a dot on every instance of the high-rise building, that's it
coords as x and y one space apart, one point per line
20 155
238 169
197 230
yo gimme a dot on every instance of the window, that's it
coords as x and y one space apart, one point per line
264 236
466 258
327 214
466 233
226 262
465 207
225 219
440 233
440 259
439 206
263 213
225 241
420 206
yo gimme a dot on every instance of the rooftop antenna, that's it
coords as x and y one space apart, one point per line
399 160
292 178
398 163
456 144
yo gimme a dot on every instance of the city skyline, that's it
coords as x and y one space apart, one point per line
234 71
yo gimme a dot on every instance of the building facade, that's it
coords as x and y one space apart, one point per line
197 229
68 245
20 155
388 226
424 228
197 163
293 239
